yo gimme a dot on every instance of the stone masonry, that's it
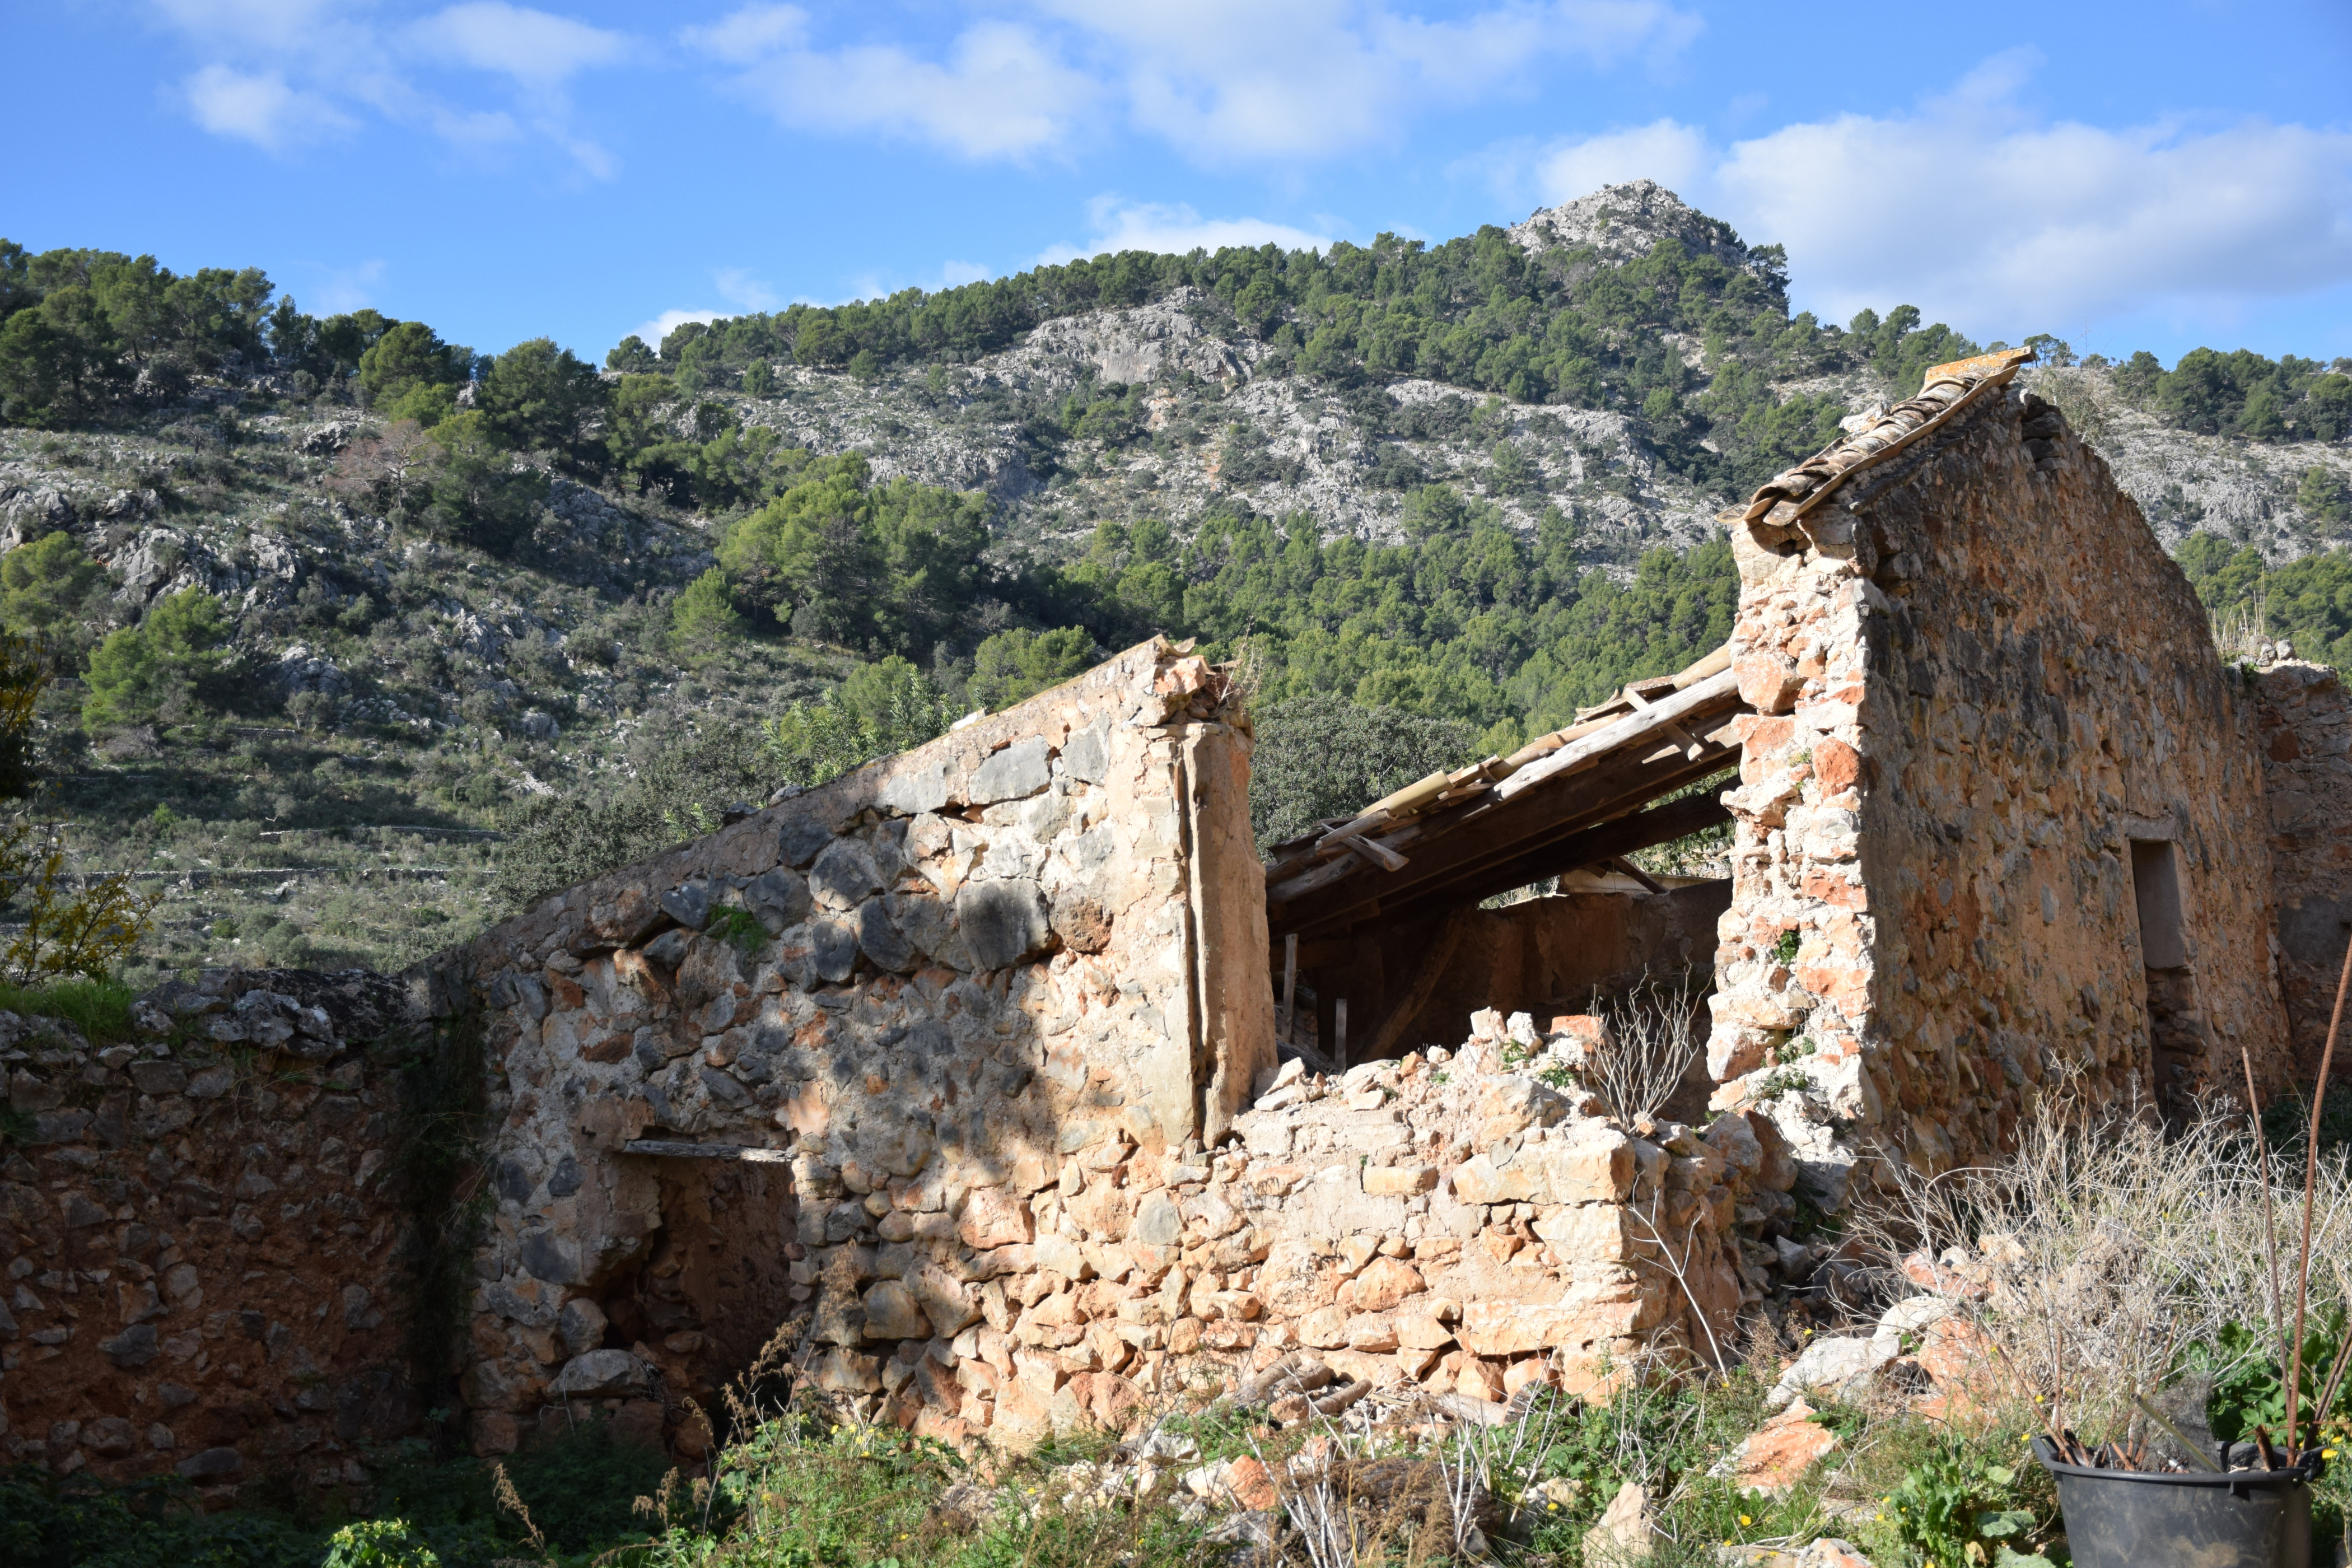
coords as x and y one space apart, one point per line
962 1068
920 993
2307 750
1983 694
197 1239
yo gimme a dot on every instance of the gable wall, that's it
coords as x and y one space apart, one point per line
1978 678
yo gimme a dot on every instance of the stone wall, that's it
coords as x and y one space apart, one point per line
1978 680
1541 956
905 1003
2307 750
197 1243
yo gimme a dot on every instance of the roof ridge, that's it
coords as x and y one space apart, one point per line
1944 390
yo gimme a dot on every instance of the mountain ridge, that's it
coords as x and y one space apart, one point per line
1316 461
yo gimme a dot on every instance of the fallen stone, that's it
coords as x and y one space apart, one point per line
1626 1530
1777 1455
1835 1365
599 1373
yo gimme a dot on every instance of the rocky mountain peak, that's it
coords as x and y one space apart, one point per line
1621 222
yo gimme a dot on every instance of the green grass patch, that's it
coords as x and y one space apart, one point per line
98 1009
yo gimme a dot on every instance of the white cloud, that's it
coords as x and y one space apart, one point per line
737 286
1002 91
1224 80
2014 226
1674 155
348 288
746 37
1173 228
668 321
284 73
258 107
1247 80
536 47
2004 223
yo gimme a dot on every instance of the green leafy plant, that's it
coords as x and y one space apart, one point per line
1784 950
2249 1388
741 927
378 1544
1957 1505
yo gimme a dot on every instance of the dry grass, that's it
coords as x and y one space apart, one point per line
2108 1248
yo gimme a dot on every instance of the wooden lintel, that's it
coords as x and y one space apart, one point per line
675 1149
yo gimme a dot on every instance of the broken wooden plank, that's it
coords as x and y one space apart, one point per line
1457 845
675 1149
1621 835
1626 732
1675 732
1331 871
1624 867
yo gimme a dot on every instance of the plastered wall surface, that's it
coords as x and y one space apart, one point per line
1978 679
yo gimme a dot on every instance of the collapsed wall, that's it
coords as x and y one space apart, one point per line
199 1241
1998 802
887 1012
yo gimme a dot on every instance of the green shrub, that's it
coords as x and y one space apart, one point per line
140 670
378 1544
1324 756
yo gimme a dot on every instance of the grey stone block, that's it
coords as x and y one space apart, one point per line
1002 922
881 941
1019 771
801 840
134 1346
778 900
1088 756
844 874
546 1257
914 790
689 904
833 948
598 1373
212 1465
725 1089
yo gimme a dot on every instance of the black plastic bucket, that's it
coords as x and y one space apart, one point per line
2128 1519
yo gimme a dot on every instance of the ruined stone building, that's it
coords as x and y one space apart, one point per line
967 1063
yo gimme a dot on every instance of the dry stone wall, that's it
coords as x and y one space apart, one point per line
1977 680
900 1006
198 1237
2306 752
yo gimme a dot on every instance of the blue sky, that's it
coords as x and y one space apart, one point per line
2160 174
